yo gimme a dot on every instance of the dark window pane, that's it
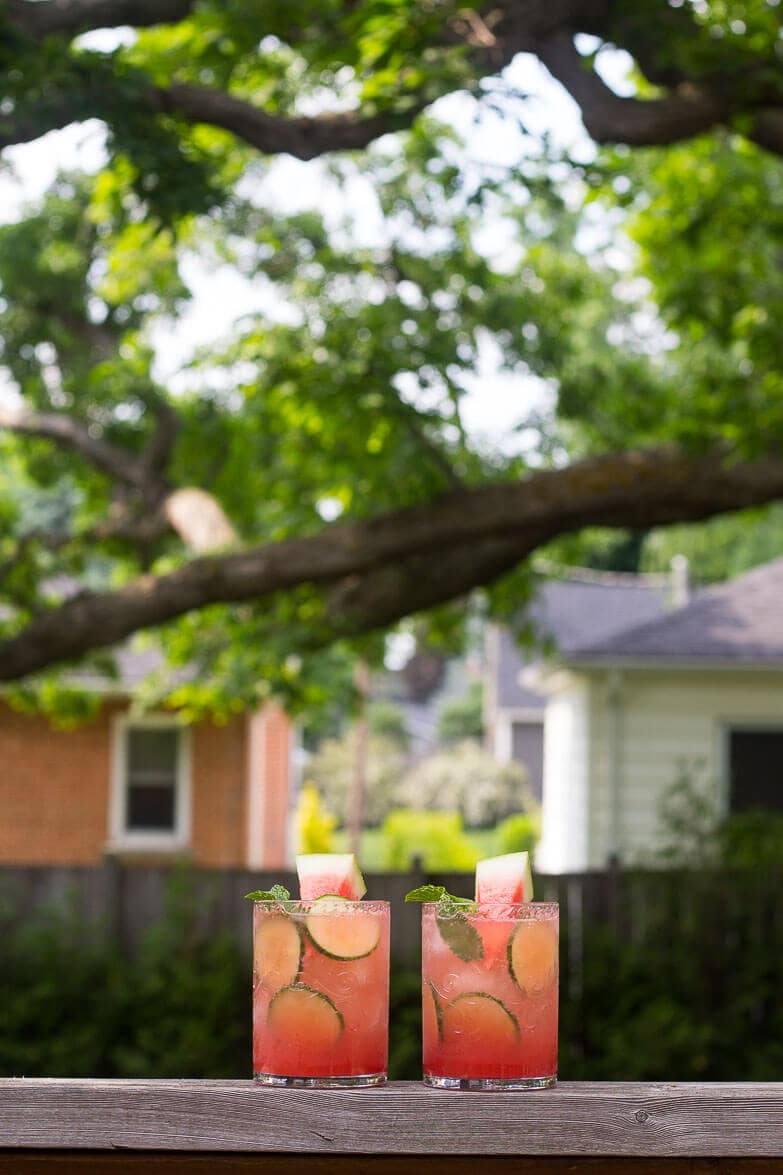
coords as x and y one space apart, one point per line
153 750
527 748
756 769
151 807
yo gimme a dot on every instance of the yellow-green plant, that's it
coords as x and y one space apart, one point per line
314 824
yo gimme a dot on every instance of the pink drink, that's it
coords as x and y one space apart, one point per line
320 992
489 996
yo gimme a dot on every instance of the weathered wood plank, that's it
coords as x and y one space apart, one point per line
404 1118
168 1163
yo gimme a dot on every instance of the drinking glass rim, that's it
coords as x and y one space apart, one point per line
304 905
470 907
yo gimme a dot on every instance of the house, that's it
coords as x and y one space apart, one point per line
697 686
144 786
579 607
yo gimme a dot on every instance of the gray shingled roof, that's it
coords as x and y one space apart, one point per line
570 613
740 621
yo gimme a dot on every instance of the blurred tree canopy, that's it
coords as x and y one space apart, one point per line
310 482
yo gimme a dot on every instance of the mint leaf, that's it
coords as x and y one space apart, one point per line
436 893
426 893
278 893
458 934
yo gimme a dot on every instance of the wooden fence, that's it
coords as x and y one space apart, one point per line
126 899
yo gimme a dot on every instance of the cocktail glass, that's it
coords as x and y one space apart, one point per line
489 995
320 992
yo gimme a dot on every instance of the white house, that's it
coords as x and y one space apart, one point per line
627 705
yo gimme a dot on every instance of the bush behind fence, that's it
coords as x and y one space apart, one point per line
141 971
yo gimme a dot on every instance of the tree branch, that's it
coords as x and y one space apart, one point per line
304 138
608 118
69 433
43 18
379 570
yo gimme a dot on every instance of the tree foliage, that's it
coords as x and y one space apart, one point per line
634 298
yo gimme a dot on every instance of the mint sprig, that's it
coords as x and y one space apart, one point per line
278 893
439 894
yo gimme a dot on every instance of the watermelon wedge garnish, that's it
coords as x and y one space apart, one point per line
329 873
505 880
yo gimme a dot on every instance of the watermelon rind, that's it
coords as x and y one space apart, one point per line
329 873
505 879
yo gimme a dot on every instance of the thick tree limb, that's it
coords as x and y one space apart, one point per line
608 118
374 572
494 34
43 18
304 138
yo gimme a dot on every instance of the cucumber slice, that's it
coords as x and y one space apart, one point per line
340 933
300 1013
480 1015
461 937
432 1013
278 947
532 956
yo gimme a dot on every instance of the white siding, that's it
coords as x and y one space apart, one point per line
564 839
667 718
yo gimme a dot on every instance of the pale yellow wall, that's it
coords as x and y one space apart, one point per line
667 717
564 842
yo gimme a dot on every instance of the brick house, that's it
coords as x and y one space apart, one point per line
145 786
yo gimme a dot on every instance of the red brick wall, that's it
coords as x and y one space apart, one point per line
54 798
277 755
219 793
54 790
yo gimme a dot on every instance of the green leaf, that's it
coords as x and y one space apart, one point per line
278 893
459 935
439 894
426 893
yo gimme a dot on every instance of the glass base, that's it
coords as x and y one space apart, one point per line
355 1082
489 1083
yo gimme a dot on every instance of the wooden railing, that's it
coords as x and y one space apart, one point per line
52 1126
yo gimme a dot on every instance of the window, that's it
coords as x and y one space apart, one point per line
150 786
755 774
527 748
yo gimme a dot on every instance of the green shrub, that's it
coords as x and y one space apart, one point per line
465 779
518 833
463 717
752 840
387 720
436 838
72 1005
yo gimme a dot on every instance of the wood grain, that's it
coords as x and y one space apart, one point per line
403 1118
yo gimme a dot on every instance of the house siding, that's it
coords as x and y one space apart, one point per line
669 720
564 841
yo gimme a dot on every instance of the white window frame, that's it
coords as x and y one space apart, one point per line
120 837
